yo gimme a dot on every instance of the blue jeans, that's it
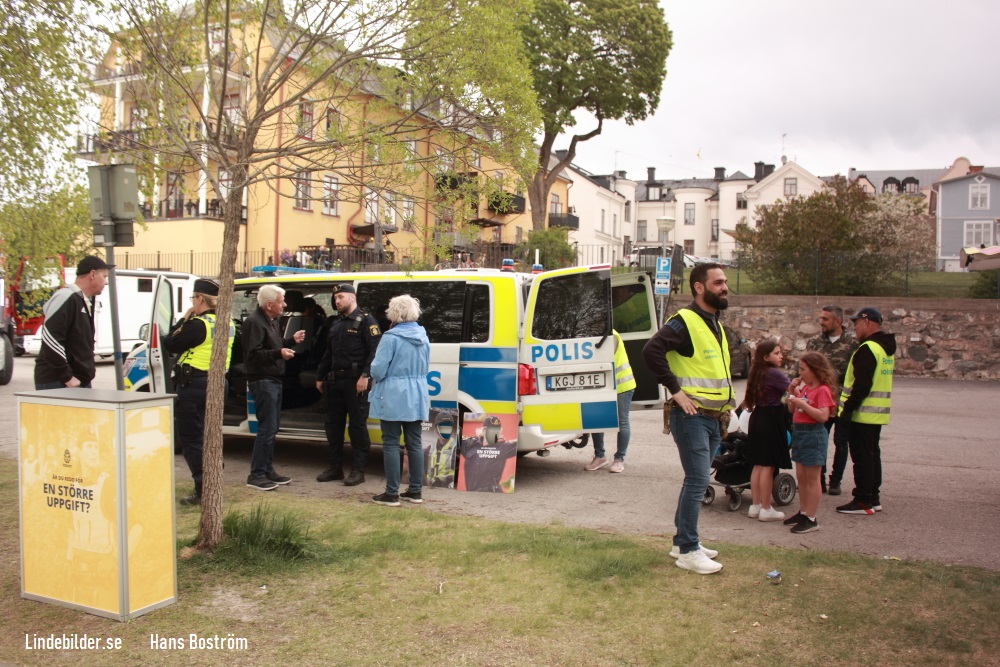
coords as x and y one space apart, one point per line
624 429
267 404
697 437
391 459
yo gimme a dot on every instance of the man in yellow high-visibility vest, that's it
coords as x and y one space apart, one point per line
865 401
689 355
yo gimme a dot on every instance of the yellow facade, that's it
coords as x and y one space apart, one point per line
292 209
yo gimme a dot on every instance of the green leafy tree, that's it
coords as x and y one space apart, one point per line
839 240
43 223
604 57
42 59
313 86
554 249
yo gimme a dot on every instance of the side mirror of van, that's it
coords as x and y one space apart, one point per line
144 331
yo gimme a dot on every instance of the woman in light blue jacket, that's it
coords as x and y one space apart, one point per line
399 398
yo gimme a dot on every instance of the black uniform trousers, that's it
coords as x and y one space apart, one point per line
189 425
866 455
345 406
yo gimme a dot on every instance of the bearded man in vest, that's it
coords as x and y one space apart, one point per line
192 340
864 408
689 355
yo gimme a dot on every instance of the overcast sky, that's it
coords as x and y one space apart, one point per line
869 84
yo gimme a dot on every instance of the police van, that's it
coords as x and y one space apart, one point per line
535 347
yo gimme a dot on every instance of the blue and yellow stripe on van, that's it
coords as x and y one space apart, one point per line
573 416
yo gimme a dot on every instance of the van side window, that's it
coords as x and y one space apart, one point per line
630 308
573 306
477 302
442 303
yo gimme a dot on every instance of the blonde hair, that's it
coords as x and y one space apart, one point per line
403 308
211 301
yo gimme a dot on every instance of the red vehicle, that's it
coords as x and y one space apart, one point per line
26 292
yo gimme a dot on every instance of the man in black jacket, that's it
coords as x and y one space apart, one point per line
66 358
264 353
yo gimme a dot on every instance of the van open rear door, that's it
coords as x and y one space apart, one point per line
159 363
634 315
566 377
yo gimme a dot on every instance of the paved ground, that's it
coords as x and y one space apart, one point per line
941 456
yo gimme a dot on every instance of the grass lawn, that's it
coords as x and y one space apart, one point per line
406 586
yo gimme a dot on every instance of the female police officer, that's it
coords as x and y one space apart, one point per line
192 340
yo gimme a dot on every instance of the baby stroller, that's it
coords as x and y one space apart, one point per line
732 471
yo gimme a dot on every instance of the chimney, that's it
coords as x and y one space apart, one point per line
620 174
768 170
720 173
650 174
758 171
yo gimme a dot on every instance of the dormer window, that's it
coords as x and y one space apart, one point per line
653 193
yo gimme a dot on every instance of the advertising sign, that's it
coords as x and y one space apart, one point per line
489 453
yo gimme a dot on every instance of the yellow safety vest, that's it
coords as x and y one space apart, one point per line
704 376
624 379
874 409
200 355
632 315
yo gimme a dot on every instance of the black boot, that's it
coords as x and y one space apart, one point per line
356 477
194 498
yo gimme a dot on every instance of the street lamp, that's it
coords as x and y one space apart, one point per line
664 225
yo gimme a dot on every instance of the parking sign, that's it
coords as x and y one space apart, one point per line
661 284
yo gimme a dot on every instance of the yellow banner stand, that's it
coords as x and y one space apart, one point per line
96 499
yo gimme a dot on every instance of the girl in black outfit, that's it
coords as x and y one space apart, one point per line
767 443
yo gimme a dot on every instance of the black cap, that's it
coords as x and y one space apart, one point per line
344 288
492 420
206 286
88 264
870 314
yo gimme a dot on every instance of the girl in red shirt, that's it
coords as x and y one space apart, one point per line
810 402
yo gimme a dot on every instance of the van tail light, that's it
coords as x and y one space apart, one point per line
527 382
154 337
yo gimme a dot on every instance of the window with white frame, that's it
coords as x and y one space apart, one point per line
977 233
791 187
640 230
979 196
741 200
602 220
409 213
477 160
555 205
411 150
689 246
331 195
715 229
332 125
628 211
614 224
518 234
231 109
389 209
689 213
653 193
303 190
371 206
305 119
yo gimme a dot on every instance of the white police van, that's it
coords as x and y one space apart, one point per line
536 348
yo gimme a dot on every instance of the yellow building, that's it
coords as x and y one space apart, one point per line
338 167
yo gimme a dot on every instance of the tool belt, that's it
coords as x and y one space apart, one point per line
184 374
722 416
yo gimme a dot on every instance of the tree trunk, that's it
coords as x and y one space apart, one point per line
210 532
538 194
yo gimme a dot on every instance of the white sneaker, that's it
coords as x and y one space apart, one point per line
675 552
754 511
697 561
596 464
770 514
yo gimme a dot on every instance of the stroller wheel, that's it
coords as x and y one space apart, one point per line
735 499
709 496
784 489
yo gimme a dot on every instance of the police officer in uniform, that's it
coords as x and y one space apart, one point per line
192 340
343 375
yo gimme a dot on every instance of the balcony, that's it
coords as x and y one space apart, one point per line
506 203
450 239
179 208
452 181
88 145
564 220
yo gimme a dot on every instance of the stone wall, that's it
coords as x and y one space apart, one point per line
942 338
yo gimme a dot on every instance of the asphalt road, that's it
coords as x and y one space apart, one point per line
940 457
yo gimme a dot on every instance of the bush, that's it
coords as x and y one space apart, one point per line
265 537
985 286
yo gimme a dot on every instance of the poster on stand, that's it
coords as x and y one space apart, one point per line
488 453
440 449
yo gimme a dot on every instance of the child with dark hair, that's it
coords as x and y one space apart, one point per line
810 403
767 442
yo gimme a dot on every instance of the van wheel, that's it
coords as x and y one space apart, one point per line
8 359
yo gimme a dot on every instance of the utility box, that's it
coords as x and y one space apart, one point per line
96 478
114 203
